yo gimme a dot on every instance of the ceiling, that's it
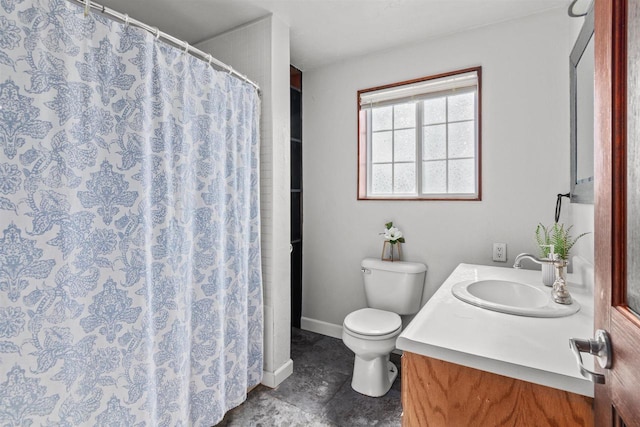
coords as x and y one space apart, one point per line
328 31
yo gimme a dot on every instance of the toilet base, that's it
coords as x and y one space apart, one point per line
373 377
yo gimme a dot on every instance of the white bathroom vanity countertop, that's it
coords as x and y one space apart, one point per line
526 348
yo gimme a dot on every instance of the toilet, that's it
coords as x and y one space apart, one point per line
392 289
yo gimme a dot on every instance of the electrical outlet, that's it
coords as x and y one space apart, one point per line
500 252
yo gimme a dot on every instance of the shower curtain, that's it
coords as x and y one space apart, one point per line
130 278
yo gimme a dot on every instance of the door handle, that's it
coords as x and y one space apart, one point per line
600 347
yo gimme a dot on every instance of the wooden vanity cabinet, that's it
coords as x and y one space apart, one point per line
437 393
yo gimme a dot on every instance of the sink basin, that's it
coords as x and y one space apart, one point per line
512 298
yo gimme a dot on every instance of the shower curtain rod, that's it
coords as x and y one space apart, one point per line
123 17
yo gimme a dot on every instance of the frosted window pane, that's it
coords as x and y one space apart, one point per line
462 176
404 116
462 107
381 147
381 118
461 139
381 182
434 142
434 111
405 178
434 177
404 145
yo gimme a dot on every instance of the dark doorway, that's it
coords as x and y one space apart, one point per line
296 196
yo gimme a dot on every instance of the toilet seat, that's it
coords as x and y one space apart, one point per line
372 324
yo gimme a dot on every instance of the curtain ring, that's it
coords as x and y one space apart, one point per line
87 6
157 33
126 20
186 48
209 58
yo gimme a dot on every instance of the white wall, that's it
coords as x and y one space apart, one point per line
260 50
581 216
525 160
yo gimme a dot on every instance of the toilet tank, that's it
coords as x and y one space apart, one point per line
393 286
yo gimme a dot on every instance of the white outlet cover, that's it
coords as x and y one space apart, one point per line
500 252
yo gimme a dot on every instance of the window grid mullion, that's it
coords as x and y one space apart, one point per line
393 149
419 133
451 122
446 143
369 151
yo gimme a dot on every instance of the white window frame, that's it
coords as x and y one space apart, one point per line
417 90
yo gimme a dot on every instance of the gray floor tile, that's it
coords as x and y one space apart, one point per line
349 408
330 353
318 393
263 410
311 387
302 342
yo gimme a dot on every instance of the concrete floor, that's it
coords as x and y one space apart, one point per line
318 393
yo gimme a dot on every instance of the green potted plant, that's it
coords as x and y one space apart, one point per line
558 236
556 239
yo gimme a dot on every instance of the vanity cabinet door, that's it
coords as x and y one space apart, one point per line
617 207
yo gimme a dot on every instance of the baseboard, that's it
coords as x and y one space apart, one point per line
273 379
320 327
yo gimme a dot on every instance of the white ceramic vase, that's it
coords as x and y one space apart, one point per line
548 274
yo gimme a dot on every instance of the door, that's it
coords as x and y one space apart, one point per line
617 207
296 196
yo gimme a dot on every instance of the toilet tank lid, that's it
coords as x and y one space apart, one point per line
396 266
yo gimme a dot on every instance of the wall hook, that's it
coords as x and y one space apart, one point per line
572 13
559 204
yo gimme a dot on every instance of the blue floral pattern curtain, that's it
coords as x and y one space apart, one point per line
130 278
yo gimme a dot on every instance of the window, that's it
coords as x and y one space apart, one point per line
421 139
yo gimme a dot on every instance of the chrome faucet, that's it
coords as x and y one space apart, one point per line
520 257
559 293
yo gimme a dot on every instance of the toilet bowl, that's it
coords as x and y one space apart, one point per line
392 289
371 334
